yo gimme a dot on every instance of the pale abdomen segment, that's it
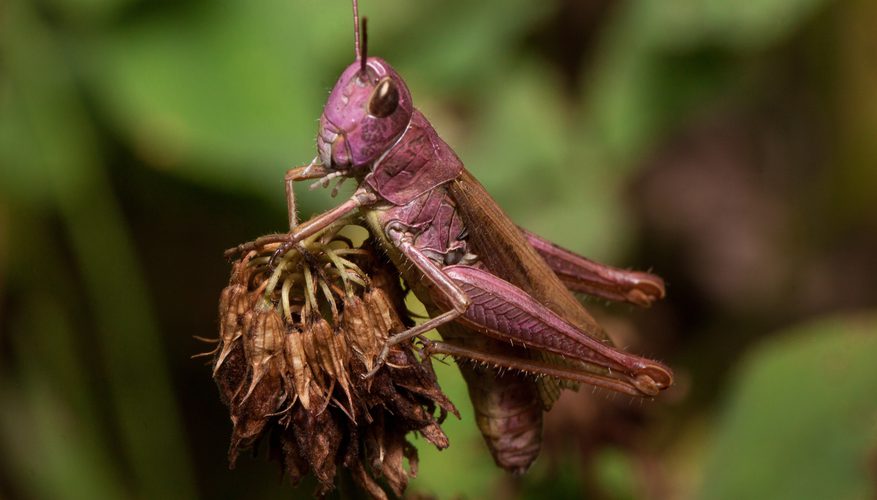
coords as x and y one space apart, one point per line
509 415
507 405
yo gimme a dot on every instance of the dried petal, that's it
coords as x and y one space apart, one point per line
263 343
298 368
384 320
319 438
230 377
392 466
330 359
313 359
365 481
357 324
250 415
234 303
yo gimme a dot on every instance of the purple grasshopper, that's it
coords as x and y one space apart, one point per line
497 294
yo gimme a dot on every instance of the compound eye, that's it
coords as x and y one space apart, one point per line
384 99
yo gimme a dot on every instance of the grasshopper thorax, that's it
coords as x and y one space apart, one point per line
368 110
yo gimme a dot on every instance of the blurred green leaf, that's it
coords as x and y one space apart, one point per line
41 128
90 13
638 90
520 139
457 47
662 60
637 96
51 434
466 467
205 88
615 470
739 25
58 152
802 416
851 181
560 476
538 167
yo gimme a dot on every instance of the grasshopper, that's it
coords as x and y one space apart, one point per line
497 294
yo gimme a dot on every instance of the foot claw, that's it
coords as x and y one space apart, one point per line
379 362
372 373
425 349
281 251
653 378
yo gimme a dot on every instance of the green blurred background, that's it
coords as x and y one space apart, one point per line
730 147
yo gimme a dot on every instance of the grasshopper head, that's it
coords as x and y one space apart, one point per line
367 111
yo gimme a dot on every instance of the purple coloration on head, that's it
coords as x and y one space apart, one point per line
353 132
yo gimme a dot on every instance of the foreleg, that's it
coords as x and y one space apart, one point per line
304 172
299 232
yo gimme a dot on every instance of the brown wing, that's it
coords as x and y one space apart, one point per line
505 251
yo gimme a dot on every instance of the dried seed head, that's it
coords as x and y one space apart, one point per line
294 344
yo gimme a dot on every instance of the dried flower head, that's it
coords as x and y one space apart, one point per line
294 345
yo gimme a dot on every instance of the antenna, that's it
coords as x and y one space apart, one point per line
364 47
356 30
360 42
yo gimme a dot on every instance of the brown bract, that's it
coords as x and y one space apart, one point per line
294 345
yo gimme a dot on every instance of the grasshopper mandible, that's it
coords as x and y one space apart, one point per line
497 294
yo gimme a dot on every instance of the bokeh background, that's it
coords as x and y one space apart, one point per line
729 146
